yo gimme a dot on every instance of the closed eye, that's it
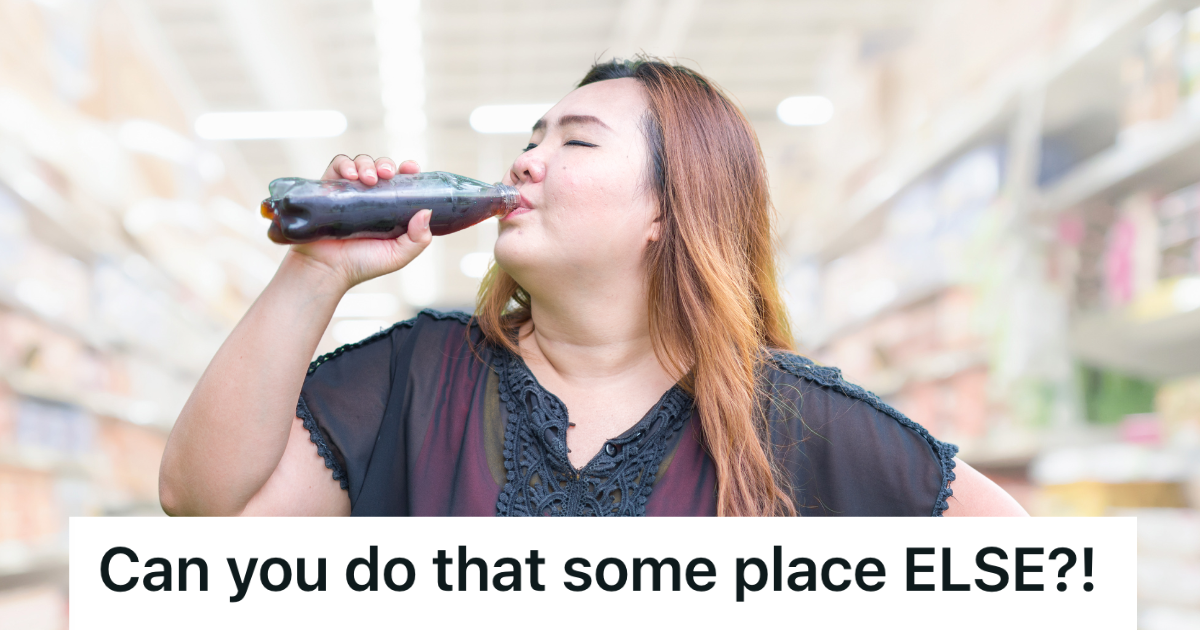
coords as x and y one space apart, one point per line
580 143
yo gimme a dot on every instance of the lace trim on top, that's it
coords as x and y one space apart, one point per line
408 323
316 437
314 432
540 478
831 377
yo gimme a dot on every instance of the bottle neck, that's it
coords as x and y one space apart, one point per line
512 198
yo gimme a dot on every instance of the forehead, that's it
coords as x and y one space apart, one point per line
620 103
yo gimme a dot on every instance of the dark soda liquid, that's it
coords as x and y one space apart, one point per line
305 210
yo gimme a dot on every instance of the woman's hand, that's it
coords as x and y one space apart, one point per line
352 261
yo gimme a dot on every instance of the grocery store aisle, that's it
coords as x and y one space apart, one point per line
989 214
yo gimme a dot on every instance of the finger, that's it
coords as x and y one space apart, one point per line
366 169
409 167
385 168
334 170
348 170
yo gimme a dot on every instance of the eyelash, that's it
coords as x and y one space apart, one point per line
579 143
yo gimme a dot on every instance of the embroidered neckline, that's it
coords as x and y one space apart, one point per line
540 479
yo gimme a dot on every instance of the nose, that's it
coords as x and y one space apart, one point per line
528 167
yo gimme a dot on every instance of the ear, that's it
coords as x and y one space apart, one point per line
655 230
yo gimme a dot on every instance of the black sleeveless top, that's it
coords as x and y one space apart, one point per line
413 421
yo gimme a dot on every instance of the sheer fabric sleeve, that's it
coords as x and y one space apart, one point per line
367 406
848 453
344 398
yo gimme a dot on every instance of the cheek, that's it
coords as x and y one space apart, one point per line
592 192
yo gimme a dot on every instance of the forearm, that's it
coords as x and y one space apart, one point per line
233 430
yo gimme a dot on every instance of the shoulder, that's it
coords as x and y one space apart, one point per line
854 433
429 322
827 381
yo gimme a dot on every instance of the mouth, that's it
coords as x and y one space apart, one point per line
524 206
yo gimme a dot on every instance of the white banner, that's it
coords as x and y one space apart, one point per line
603 573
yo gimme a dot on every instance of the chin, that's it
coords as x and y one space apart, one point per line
512 256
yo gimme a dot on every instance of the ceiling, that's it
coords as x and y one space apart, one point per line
446 57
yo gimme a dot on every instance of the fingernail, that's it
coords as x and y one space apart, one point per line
352 173
385 168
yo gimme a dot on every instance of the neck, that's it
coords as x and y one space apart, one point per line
590 333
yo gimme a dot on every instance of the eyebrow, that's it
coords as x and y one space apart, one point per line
572 119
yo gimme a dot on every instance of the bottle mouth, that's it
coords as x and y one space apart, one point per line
512 196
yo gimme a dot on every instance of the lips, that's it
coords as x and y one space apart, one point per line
525 206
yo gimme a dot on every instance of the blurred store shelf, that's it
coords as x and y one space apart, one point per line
46 573
23 565
33 585
976 118
1161 156
139 412
1168 568
973 122
1156 349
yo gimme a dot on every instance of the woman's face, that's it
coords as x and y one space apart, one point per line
587 213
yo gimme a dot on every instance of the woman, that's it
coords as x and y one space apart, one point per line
637 274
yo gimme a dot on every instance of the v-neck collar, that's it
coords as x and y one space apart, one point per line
640 427
540 478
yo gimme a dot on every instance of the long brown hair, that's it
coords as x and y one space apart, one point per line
713 297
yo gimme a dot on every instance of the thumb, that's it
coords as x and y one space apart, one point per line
418 228
409 245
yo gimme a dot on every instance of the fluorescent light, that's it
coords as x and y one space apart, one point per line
507 118
147 136
805 110
475 264
264 125
367 305
401 76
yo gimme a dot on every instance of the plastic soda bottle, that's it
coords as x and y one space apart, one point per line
306 210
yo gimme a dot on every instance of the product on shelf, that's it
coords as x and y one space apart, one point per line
46 426
1179 232
28 508
1189 59
1177 403
1109 396
1150 74
34 607
128 471
1131 252
1086 233
926 359
1098 479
